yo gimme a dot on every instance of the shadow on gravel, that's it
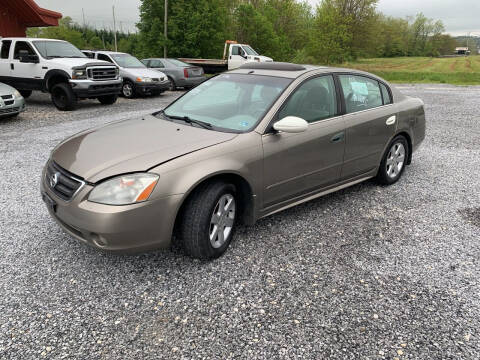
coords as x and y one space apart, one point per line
471 215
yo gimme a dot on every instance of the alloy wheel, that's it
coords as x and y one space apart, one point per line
222 220
127 89
395 160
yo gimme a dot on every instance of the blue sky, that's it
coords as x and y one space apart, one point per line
459 16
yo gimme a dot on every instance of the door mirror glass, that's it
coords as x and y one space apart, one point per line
25 57
291 124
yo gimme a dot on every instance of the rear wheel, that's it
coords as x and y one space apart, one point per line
394 161
63 97
25 93
108 99
128 89
209 220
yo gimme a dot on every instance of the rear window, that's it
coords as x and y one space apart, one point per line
178 63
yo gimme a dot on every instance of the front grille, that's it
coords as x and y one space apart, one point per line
10 110
7 97
155 79
9 102
66 184
109 73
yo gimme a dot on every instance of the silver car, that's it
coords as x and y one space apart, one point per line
12 102
179 73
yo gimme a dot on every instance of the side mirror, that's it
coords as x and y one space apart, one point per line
24 57
291 124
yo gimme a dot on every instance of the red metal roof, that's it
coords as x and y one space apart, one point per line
17 15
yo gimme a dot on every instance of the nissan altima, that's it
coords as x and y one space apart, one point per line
241 146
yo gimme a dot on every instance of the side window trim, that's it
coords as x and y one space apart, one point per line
275 118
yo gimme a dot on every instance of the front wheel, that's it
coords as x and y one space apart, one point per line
394 161
128 89
209 220
63 97
108 99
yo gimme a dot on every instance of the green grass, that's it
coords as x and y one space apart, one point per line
457 71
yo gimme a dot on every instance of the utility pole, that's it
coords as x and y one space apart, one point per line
114 28
165 29
83 14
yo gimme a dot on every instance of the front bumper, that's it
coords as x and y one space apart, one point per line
92 89
149 87
122 229
17 107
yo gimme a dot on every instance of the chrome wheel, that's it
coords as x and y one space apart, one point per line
223 218
395 160
127 90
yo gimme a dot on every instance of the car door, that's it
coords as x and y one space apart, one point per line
5 70
236 58
299 164
370 123
26 75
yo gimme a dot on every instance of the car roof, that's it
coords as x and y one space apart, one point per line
292 71
106 52
30 39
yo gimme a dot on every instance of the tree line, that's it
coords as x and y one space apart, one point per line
286 30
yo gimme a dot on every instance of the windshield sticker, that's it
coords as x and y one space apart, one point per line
244 123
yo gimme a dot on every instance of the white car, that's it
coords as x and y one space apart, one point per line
137 78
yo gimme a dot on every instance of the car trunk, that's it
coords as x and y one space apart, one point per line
193 71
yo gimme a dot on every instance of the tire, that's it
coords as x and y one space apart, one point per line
156 92
173 86
108 99
128 89
393 161
25 93
202 210
63 97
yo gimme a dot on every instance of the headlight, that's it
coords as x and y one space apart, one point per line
17 94
79 74
144 79
125 189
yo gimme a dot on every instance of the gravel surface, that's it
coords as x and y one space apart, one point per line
369 272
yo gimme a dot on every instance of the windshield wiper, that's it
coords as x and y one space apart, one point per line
190 121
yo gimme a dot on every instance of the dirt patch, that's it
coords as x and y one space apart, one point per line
471 215
453 65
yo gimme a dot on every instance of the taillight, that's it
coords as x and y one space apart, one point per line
185 72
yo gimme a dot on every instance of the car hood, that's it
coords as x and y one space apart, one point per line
131 146
142 72
76 62
6 89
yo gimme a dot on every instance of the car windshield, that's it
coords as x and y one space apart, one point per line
127 61
178 63
51 49
230 102
249 50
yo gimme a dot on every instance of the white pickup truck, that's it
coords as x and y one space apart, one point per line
57 67
238 54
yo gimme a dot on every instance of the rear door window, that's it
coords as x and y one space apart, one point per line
6 44
360 92
156 64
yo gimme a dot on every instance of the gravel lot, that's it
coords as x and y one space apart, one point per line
367 273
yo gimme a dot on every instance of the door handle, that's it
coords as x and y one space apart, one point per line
12 67
337 137
391 120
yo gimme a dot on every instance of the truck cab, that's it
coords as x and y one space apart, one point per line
57 67
239 54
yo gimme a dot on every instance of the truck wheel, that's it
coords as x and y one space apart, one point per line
108 99
209 220
63 97
25 93
128 90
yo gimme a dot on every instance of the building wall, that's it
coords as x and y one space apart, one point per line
10 25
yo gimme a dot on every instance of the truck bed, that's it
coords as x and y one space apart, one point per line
210 66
